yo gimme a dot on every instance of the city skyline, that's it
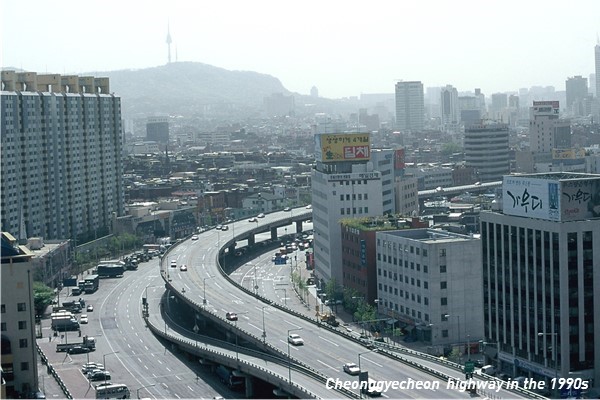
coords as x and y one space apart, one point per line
344 49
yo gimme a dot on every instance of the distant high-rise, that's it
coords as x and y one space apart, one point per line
576 92
61 156
449 108
157 129
410 106
487 151
314 92
597 53
546 130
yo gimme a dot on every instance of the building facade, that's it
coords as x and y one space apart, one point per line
449 107
157 129
61 155
19 356
487 151
349 181
430 281
576 92
546 130
410 106
540 276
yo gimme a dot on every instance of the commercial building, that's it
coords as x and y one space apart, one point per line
541 276
487 150
546 130
410 106
449 107
157 129
61 155
577 93
430 281
19 362
350 180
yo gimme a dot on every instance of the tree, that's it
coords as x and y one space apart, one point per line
42 297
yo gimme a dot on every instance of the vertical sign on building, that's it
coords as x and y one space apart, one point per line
363 253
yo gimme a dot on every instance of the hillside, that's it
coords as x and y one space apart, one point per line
189 88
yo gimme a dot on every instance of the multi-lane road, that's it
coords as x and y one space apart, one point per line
324 350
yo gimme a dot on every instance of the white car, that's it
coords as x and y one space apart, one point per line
90 308
261 215
83 319
195 237
351 368
87 367
295 339
287 209
253 219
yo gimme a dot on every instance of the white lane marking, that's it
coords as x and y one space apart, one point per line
327 365
329 341
365 358
291 347
254 326
177 377
291 323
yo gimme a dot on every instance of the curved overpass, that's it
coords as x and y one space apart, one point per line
210 292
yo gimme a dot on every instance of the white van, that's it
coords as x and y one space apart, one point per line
488 370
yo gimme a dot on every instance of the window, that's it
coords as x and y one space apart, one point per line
22 324
426 301
424 252
443 269
444 301
426 284
442 252
3 308
443 285
24 366
425 269
22 343
444 332
2 326
21 307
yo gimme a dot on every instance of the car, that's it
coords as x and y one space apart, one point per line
231 316
83 319
351 369
225 228
287 209
253 219
90 308
195 237
173 263
261 215
295 339
308 207
87 367
78 350
218 227
99 376
183 267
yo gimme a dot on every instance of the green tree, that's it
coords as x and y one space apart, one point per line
42 297
450 148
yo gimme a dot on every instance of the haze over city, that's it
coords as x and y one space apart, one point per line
343 48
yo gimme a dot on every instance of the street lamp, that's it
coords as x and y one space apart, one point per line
289 359
554 351
137 391
360 370
104 362
204 284
264 334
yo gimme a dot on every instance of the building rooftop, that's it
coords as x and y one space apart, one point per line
433 235
560 176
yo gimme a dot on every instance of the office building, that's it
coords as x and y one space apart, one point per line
61 156
546 130
487 150
157 129
541 275
19 356
597 68
430 281
410 106
499 103
577 93
350 180
449 107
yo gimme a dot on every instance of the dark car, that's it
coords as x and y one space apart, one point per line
231 316
78 350
99 376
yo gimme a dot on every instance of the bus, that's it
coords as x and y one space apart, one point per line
112 391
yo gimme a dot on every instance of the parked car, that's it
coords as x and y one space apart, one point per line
195 237
261 215
308 207
253 219
218 227
83 319
351 368
99 376
90 308
87 367
225 228
78 350
183 267
173 263
231 316
295 339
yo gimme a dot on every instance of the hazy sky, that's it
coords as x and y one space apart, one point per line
344 48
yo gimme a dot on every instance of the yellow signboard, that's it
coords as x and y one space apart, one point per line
568 154
344 147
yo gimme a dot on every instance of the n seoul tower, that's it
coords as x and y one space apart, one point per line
169 41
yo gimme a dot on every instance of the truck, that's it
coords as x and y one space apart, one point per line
64 323
328 318
110 270
87 342
234 379
92 282
73 306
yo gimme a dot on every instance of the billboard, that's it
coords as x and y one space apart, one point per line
343 147
551 199
399 159
568 154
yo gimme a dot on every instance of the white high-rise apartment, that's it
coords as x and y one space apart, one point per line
61 155
410 106
350 180
541 274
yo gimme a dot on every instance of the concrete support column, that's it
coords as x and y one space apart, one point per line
273 233
251 240
249 387
298 226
